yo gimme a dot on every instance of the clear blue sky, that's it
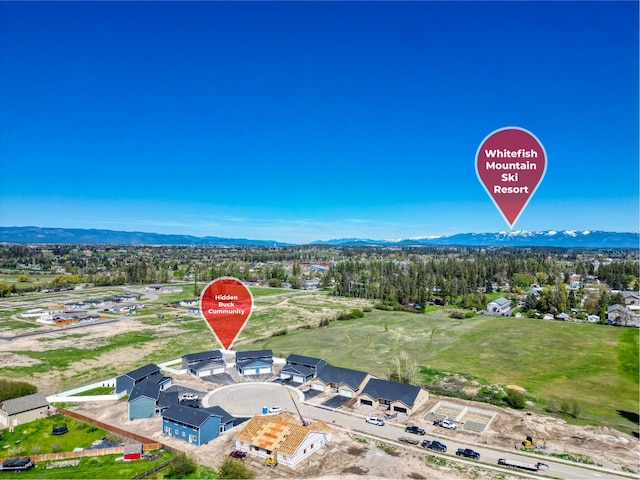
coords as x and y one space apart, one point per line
298 121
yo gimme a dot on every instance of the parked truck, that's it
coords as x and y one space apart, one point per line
445 423
532 467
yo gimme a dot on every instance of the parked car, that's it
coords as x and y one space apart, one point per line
238 454
414 429
275 409
438 446
468 453
375 421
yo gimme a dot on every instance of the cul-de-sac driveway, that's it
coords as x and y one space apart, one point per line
248 399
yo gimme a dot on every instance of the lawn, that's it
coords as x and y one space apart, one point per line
553 361
35 438
105 466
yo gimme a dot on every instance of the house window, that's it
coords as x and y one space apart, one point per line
177 431
184 434
167 430
192 438
305 451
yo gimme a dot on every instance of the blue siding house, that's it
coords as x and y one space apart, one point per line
147 398
126 382
197 426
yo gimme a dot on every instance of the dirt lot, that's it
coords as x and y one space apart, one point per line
347 455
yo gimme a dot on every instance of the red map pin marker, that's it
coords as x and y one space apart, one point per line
226 305
511 163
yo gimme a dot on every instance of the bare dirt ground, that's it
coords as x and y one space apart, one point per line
346 457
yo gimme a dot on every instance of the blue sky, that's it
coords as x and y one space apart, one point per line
298 121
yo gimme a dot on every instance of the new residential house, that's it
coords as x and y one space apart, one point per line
397 397
17 411
126 382
301 369
203 364
148 400
344 381
254 362
282 436
196 426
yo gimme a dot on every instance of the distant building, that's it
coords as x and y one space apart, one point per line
204 364
500 306
126 382
397 397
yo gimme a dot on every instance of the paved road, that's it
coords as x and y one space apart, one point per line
248 399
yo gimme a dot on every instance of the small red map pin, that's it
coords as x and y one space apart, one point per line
226 305
510 164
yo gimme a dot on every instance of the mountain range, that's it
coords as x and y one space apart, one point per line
519 238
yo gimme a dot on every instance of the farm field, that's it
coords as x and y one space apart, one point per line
553 361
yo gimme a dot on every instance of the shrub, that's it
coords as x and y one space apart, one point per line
515 399
182 467
457 314
232 468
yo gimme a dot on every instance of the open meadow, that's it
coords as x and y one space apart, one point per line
555 362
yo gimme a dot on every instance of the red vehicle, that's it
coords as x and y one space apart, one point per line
238 454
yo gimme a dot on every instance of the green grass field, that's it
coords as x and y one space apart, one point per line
554 361
35 438
105 466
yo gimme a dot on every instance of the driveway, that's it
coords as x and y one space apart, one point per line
248 399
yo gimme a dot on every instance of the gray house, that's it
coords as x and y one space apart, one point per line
301 369
17 411
396 397
343 381
203 364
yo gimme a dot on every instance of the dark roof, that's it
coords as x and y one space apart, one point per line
302 360
342 376
204 363
251 361
209 355
253 354
14 406
392 391
142 372
166 399
149 388
297 369
194 417
225 417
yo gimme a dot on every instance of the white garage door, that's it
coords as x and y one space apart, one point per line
204 373
264 370
250 371
298 379
345 393
217 371
317 386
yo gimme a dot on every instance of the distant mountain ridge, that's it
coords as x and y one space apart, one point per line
519 238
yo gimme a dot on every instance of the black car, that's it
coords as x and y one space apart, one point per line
414 429
468 453
436 446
